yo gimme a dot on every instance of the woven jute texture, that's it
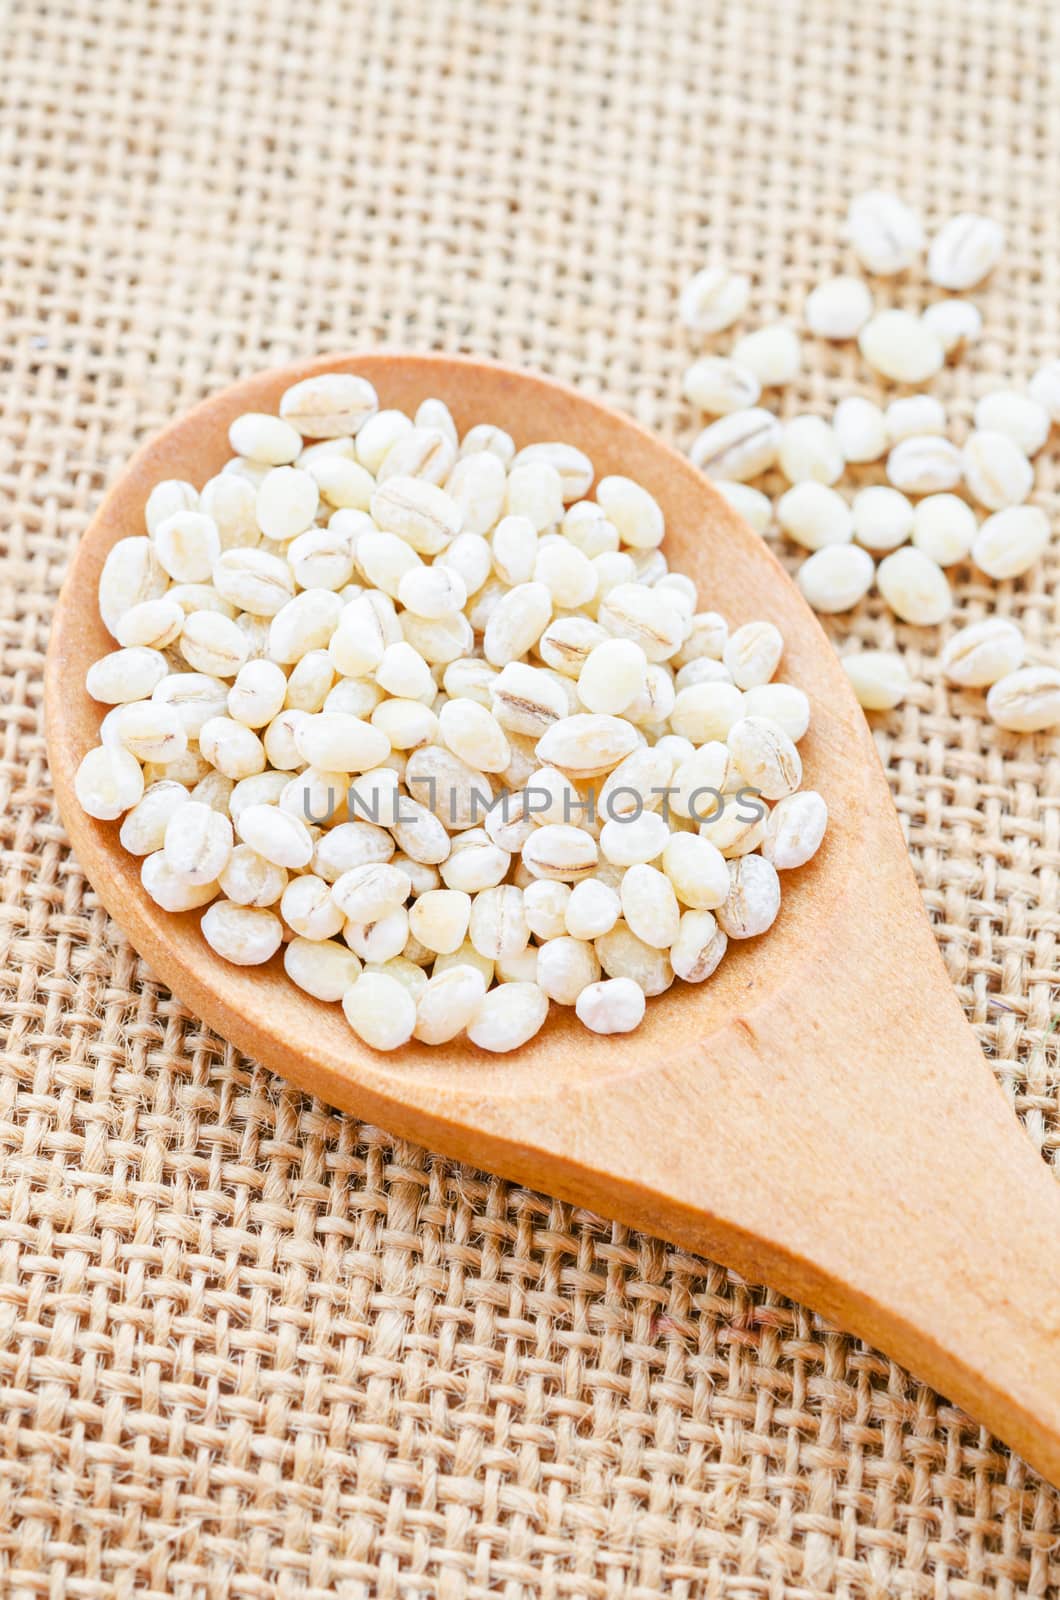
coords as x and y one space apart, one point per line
249 1346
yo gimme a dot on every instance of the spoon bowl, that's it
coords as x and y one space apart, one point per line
818 1114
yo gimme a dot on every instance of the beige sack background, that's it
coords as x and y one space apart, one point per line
251 1347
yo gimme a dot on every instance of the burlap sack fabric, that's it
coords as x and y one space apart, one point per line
249 1346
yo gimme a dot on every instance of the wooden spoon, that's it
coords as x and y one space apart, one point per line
818 1115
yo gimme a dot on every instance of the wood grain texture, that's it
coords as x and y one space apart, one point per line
819 1061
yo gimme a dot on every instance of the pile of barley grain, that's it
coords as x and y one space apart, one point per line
416 709
900 536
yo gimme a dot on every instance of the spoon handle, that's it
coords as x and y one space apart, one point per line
868 1164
